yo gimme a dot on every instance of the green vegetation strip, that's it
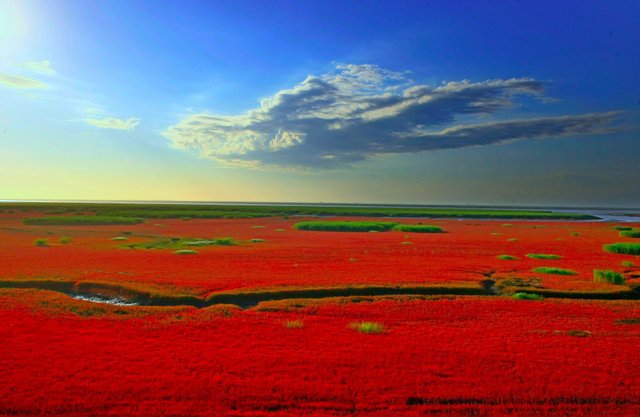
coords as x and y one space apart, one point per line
542 256
623 248
350 226
250 211
608 276
418 228
630 233
180 244
506 257
81 220
555 271
328 226
527 296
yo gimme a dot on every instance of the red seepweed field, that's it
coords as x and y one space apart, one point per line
432 352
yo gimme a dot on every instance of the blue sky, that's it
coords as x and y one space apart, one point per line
496 102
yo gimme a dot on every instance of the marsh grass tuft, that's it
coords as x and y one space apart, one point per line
64 240
506 257
368 327
418 228
186 252
554 271
344 226
633 320
178 243
41 242
294 324
622 228
543 256
579 333
630 233
627 264
197 242
623 248
608 276
527 296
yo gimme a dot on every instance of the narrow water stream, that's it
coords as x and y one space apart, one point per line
104 300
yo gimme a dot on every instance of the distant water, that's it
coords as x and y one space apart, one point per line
607 215
104 300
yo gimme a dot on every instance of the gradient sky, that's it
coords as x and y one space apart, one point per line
439 102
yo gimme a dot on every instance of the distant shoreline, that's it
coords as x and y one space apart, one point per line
329 204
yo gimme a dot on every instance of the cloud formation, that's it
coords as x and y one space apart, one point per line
43 67
16 81
362 110
114 123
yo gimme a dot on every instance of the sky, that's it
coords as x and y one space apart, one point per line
424 102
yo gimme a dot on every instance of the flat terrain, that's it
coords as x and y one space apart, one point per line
442 331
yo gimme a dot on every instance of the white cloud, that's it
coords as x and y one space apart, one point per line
43 67
16 81
362 110
114 123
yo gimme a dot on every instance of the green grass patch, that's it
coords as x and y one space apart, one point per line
506 257
527 296
418 228
608 276
622 228
628 264
368 327
81 220
554 271
186 252
623 248
344 226
225 241
182 243
41 242
64 240
257 240
630 233
543 256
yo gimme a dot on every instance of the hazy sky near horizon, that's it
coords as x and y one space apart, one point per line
461 102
